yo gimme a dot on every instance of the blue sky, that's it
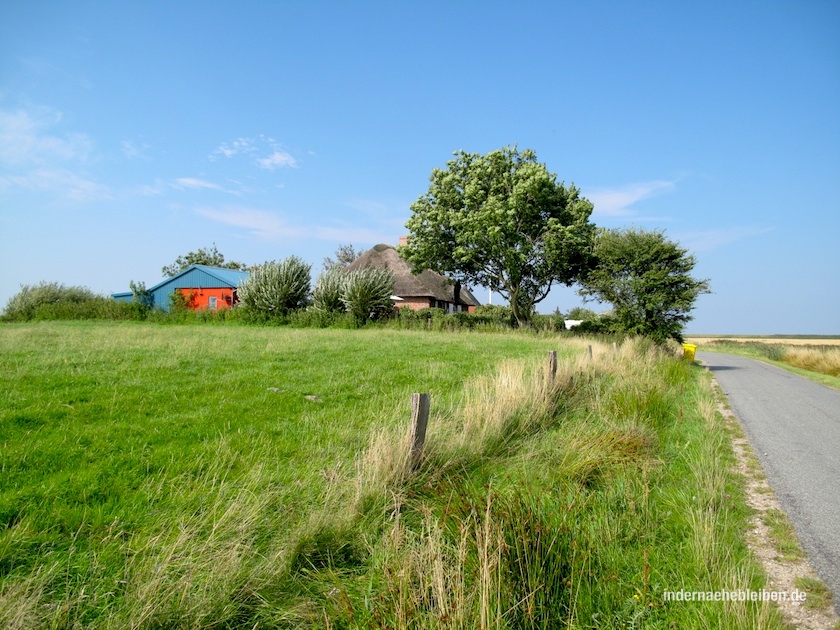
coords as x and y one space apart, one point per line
133 132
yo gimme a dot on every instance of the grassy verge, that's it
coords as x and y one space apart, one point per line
161 476
820 363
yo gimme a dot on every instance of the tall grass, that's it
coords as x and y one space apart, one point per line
540 504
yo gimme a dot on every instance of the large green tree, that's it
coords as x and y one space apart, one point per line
204 256
647 279
501 221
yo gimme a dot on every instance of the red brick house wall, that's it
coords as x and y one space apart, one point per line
419 303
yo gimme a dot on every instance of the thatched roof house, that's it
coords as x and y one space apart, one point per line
427 289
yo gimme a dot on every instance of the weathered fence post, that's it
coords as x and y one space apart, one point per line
419 420
590 351
552 366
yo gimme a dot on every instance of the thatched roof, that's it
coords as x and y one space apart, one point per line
406 284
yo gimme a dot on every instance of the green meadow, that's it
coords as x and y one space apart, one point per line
223 476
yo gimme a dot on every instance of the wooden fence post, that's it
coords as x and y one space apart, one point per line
419 419
552 366
590 352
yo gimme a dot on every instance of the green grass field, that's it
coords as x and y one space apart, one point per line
228 476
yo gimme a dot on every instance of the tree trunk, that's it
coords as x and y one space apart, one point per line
522 316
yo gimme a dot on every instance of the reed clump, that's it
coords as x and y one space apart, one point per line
823 359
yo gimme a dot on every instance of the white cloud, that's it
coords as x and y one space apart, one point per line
26 141
617 202
265 225
271 227
161 187
237 147
265 152
151 190
707 240
192 182
353 234
275 160
73 186
38 159
132 150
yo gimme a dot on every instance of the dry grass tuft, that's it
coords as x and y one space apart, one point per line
426 573
20 601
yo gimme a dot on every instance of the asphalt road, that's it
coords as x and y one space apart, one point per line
793 425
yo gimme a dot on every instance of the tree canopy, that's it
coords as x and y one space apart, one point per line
204 256
646 278
501 221
344 255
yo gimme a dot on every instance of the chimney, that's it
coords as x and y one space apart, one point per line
403 240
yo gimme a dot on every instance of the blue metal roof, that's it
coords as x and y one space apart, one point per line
232 276
206 277
202 276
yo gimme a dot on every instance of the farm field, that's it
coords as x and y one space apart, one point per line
817 358
827 340
226 476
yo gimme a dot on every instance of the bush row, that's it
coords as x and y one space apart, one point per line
51 301
339 301
59 303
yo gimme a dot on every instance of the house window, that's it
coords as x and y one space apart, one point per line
211 303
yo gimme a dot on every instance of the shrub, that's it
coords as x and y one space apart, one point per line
494 310
314 318
142 296
434 314
180 301
52 301
581 313
439 319
603 325
366 293
277 288
548 323
327 294
98 307
24 305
